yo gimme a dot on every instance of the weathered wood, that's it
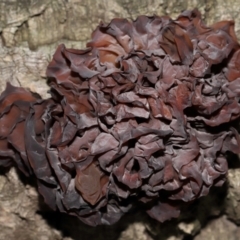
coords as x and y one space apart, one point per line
30 31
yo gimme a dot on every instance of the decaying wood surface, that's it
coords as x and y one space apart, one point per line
30 31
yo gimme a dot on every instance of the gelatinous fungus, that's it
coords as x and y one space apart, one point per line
145 114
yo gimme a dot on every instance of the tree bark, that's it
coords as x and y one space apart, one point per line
30 31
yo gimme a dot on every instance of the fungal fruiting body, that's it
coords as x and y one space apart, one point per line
145 114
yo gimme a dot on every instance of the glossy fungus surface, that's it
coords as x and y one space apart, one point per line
145 114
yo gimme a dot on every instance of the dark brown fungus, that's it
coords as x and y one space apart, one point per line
146 113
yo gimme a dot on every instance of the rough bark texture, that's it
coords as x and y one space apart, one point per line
30 31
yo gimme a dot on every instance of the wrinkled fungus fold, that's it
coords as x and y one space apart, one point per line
145 114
